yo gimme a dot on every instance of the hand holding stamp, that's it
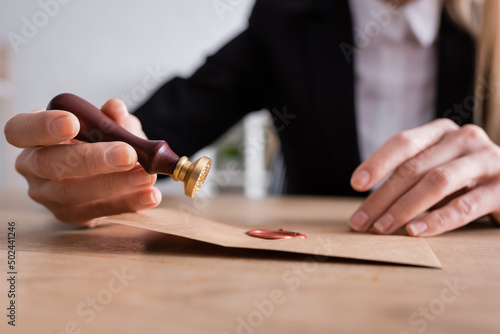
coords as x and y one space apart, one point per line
155 156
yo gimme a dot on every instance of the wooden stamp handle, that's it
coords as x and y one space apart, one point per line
155 156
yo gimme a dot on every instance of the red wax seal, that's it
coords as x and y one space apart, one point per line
275 234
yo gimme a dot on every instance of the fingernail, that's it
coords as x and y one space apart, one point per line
416 229
62 127
100 223
383 223
358 220
148 198
94 223
360 179
120 156
140 177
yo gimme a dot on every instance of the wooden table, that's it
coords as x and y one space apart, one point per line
119 279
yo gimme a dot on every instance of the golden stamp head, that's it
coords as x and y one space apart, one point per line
193 174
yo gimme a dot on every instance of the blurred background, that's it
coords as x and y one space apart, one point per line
104 49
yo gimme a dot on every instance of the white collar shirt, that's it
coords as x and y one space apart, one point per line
395 67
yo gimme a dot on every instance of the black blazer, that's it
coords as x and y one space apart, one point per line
289 60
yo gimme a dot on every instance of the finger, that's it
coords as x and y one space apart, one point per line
434 186
397 150
135 127
41 128
116 109
84 214
452 146
79 190
462 210
58 161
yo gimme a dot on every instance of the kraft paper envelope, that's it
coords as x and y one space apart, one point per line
336 242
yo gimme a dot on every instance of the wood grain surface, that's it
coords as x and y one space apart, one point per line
121 279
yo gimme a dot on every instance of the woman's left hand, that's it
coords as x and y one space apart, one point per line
454 169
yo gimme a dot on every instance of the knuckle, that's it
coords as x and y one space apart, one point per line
67 192
404 139
393 182
90 158
473 132
39 191
411 167
494 152
466 206
40 162
439 219
440 176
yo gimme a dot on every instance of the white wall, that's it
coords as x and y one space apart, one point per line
102 49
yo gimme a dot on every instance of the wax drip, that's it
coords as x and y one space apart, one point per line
275 234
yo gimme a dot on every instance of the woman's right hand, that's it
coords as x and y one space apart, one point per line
80 182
